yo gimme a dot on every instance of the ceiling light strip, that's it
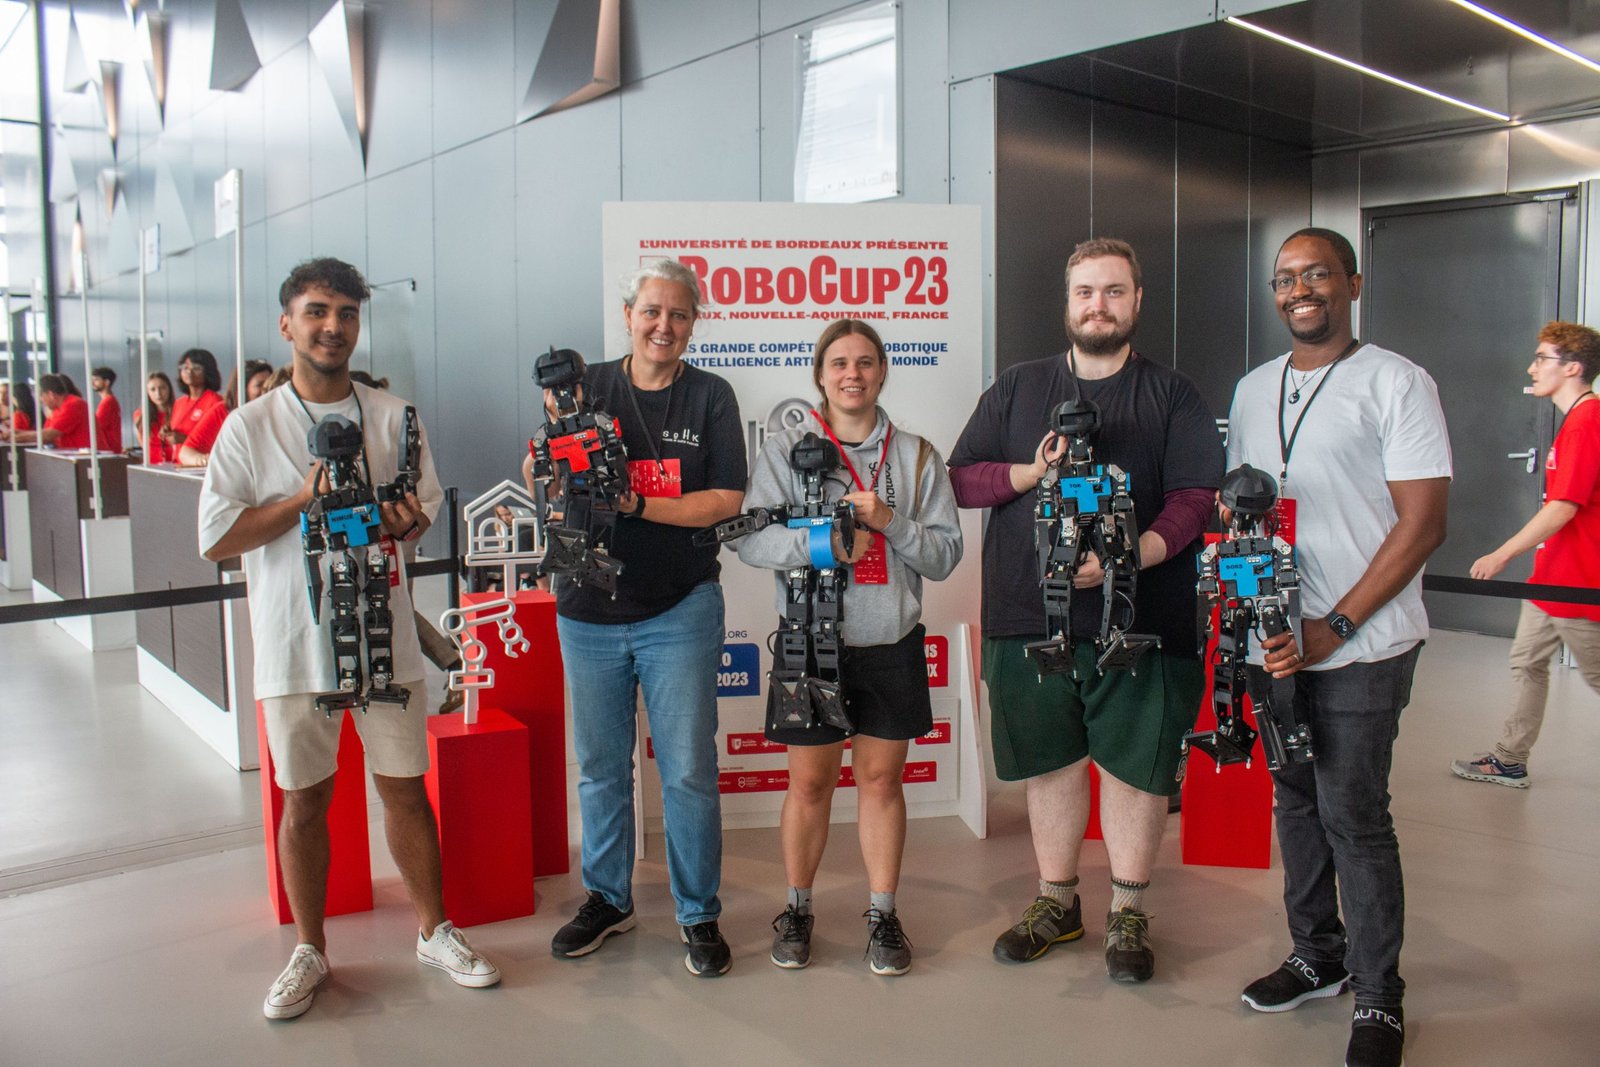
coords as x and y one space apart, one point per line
1369 71
1523 32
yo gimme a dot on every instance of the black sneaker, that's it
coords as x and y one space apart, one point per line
1129 957
1295 982
888 948
1044 924
596 921
1377 1038
791 941
708 954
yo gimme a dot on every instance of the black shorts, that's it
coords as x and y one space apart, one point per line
885 693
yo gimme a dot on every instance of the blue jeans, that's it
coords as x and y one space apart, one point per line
1334 828
673 658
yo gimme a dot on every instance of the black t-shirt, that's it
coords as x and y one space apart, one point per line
694 422
1155 426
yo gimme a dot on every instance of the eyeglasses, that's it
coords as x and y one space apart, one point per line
1312 277
1558 359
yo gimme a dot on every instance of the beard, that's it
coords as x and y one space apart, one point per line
1105 342
1311 332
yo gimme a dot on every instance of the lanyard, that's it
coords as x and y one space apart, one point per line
361 420
649 434
1286 439
851 467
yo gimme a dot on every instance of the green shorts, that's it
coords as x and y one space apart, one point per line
1131 723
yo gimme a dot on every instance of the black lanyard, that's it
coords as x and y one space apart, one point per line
361 421
1286 438
638 413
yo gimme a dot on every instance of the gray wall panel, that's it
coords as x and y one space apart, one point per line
288 241
475 253
567 166
1213 260
787 14
924 120
1036 30
1556 154
244 118
335 155
473 69
400 246
287 159
339 226
278 25
1133 198
972 181
1280 203
400 78
685 136
658 37
1042 183
210 160
1435 170
182 309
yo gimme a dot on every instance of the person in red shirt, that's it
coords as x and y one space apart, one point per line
108 413
157 412
199 382
196 449
68 425
24 415
1566 532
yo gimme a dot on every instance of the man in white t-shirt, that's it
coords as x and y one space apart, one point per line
1358 440
260 478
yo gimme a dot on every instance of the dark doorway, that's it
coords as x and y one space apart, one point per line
1461 288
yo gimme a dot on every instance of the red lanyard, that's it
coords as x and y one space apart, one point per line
851 467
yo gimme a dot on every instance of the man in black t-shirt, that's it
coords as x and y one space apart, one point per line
1155 426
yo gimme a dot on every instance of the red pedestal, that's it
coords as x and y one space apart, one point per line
531 690
478 783
350 859
1227 814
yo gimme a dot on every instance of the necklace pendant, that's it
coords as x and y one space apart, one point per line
1294 397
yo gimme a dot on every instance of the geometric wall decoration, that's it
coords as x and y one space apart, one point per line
234 59
339 42
111 99
75 72
64 184
580 58
154 32
109 183
172 210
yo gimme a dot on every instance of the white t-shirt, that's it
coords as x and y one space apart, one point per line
1375 419
261 456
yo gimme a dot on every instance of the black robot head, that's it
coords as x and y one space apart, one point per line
814 455
1249 491
1076 419
558 369
333 438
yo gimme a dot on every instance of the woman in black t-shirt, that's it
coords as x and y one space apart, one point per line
662 633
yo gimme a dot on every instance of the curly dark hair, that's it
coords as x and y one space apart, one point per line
325 273
207 362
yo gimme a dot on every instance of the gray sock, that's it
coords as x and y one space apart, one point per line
1127 895
800 899
884 902
1060 892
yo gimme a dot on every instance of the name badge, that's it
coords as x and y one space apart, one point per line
1284 510
648 479
873 568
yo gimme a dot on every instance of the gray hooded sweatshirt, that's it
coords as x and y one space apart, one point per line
924 538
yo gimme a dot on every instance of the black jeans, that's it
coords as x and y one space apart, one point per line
1334 826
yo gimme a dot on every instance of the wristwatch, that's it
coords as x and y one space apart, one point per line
1341 626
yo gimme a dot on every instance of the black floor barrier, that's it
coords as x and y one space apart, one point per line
170 598
1556 594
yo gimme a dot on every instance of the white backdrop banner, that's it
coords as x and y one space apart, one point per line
775 275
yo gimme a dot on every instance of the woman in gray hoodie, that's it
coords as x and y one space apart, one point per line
906 530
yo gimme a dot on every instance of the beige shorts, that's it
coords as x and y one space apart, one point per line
305 742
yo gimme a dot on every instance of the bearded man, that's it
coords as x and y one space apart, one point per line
1155 426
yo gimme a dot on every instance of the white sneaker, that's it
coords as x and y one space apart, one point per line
448 950
296 987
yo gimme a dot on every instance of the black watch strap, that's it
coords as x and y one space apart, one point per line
1341 625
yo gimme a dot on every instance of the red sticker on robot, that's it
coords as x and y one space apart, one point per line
392 550
1284 512
649 478
872 568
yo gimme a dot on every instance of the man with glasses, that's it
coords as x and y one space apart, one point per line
1357 439
1566 534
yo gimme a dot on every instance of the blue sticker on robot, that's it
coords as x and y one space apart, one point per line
739 671
1089 491
357 524
1241 575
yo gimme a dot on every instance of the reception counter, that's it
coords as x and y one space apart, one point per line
194 658
16 554
75 554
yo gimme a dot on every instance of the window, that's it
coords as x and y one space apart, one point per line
848 144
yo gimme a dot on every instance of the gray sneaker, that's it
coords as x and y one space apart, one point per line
1490 768
888 949
791 940
1044 924
1129 957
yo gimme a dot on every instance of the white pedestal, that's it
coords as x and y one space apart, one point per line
16 570
107 571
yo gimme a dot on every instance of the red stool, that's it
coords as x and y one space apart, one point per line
350 858
478 783
531 689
